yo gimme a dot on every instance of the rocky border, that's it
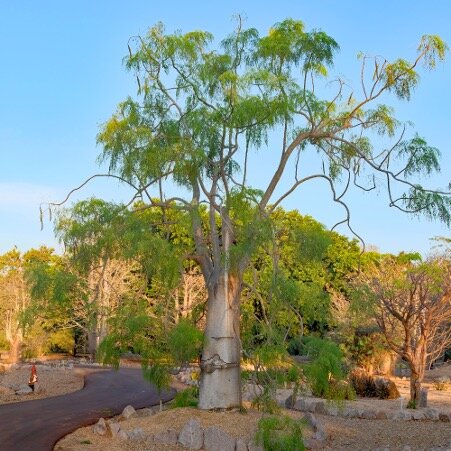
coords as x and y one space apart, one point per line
319 406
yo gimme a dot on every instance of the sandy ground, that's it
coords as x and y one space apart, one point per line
52 382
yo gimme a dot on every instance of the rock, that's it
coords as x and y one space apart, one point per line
350 413
442 416
407 448
146 412
215 439
300 404
381 415
240 445
168 437
416 415
114 428
320 407
423 401
252 446
122 435
100 428
320 433
136 435
284 398
368 415
128 412
192 436
311 419
24 390
401 415
431 414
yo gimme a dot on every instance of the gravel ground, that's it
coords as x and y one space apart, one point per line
52 382
343 434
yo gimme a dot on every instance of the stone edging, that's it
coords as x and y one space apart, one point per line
326 408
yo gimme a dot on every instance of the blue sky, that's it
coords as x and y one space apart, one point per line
62 76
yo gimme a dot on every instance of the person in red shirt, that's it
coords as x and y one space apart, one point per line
33 377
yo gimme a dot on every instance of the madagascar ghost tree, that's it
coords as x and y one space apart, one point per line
200 111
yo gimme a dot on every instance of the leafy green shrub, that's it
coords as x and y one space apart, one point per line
341 390
280 433
266 402
412 404
185 342
326 365
186 398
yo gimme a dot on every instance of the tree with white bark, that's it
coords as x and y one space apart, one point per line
200 112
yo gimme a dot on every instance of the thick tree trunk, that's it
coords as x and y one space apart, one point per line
220 383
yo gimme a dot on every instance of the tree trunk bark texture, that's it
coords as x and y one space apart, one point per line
220 383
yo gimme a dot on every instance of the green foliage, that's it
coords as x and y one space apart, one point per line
326 365
158 375
412 404
186 398
184 342
280 433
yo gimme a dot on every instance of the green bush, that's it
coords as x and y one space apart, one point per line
326 365
186 398
185 342
280 433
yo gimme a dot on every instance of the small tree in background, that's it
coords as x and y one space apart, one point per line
412 306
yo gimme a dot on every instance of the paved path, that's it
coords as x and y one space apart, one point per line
38 425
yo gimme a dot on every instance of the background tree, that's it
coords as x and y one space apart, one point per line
15 295
201 110
412 307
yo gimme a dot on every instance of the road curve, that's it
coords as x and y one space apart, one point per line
38 425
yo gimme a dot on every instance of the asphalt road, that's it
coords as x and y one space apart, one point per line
38 425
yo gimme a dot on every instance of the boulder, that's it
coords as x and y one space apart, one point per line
300 404
136 435
368 415
128 412
431 414
311 420
114 428
100 428
215 439
146 412
252 446
381 415
122 435
168 437
241 445
320 433
192 436
320 407
24 390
